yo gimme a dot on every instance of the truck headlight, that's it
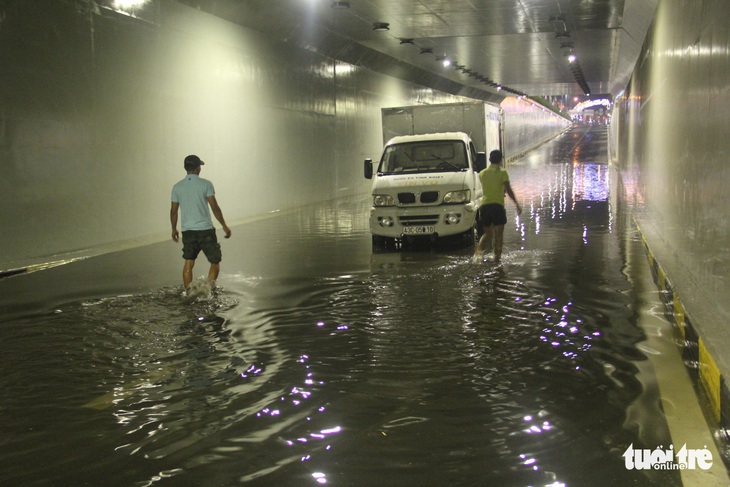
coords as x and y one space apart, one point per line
452 218
383 200
456 197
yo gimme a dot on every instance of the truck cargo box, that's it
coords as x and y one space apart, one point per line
481 121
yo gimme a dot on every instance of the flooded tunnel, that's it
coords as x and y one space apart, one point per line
318 359
594 352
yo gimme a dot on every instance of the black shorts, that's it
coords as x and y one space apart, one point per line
196 240
492 214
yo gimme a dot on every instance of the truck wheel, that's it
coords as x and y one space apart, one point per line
471 236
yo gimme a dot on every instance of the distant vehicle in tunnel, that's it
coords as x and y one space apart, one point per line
426 183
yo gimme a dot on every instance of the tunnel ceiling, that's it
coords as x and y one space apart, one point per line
522 46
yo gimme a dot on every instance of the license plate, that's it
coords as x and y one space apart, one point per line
418 230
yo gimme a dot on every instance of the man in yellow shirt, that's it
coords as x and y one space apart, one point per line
492 214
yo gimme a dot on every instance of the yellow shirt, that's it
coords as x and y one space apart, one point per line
493 179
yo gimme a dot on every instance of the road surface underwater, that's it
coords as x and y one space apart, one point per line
318 361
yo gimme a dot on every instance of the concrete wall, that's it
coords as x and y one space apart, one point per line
98 110
527 125
671 142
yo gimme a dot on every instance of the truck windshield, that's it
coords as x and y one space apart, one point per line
426 156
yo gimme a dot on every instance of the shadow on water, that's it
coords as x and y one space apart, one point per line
320 361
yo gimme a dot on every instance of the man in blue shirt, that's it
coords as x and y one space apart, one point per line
193 195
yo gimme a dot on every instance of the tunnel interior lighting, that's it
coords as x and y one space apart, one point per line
381 26
127 4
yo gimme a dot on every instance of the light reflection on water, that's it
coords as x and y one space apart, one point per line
347 367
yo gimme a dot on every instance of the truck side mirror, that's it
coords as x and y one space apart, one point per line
481 162
368 166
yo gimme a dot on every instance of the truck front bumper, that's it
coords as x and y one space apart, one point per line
440 221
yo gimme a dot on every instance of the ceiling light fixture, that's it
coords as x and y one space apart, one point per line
443 60
341 5
381 26
406 41
129 3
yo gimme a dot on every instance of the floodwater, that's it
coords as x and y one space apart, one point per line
320 362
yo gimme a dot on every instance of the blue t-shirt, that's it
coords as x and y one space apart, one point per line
192 195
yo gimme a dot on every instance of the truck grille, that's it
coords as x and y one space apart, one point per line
415 220
429 196
425 197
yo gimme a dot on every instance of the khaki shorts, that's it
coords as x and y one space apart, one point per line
196 240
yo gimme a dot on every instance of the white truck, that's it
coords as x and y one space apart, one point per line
427 181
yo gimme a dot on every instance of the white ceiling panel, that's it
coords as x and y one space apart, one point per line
522 45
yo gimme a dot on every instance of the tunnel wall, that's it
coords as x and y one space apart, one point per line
670 141
99 107
527 125
98 110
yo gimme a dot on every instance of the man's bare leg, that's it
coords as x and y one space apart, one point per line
485 240
498 238
213 273
188 273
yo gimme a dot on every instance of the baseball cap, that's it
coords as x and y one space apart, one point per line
193 161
